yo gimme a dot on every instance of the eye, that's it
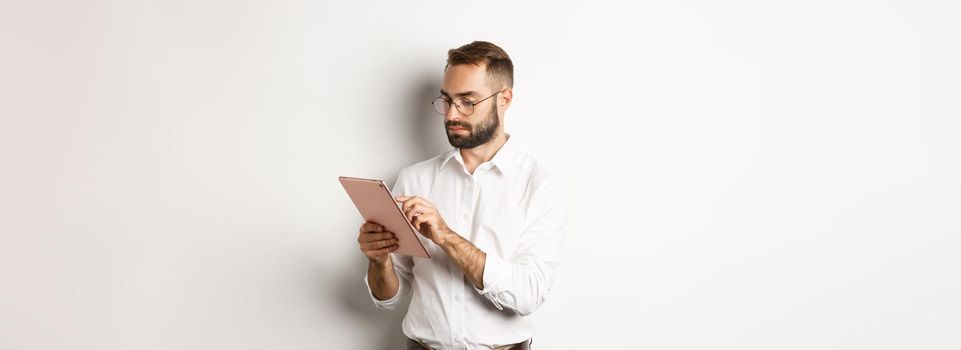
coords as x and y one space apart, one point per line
464 103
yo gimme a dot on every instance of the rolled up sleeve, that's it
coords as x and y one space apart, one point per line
522 282
402 266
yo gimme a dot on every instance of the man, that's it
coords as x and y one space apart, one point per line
494 218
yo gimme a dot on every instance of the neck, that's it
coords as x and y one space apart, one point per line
473 157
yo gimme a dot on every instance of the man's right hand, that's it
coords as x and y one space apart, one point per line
376 243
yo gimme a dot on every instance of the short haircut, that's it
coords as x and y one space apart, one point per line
500 69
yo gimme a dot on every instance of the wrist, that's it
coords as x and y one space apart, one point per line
445 238
382 264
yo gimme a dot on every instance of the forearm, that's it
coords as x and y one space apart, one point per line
467 256
382 279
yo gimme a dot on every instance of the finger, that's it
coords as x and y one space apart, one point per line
375 236
411 201
371 227
418 214
415 199
406 204
422 209
380 244
417 222
410 211
382 251
406 210
375 227
403 200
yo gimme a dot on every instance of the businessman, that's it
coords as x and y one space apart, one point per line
495 219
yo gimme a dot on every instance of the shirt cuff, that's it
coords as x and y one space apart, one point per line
496 271
388 304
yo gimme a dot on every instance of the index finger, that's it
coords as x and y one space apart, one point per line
371 227
408 201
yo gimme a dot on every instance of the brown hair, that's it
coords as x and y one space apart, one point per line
500 69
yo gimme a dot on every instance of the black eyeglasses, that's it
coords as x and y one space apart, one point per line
463 105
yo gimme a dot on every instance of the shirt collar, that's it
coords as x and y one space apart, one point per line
504 159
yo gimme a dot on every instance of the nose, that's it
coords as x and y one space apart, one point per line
453 115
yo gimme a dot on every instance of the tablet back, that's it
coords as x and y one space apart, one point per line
376 204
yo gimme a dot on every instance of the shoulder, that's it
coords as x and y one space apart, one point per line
420 172
538 185
538 178
544 191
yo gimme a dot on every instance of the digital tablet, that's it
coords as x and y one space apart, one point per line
376 204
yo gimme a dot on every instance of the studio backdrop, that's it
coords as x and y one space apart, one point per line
741 174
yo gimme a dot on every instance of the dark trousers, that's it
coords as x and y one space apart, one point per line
416 345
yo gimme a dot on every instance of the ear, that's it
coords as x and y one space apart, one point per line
504 99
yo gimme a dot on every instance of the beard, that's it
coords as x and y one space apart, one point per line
484 132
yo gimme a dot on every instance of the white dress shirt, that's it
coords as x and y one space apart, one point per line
512 209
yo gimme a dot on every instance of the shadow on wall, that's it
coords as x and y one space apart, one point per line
425 127
426 133
383 327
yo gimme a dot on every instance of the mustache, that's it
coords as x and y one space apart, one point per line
457 124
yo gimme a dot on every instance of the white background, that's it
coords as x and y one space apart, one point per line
743 175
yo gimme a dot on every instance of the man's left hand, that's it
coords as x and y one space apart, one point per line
425 218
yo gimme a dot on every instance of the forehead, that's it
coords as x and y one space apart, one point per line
463 78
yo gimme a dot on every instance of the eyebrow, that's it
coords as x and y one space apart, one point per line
461 94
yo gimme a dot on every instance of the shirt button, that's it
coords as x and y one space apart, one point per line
457 297
465 216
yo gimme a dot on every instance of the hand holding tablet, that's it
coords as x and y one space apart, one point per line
377 205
